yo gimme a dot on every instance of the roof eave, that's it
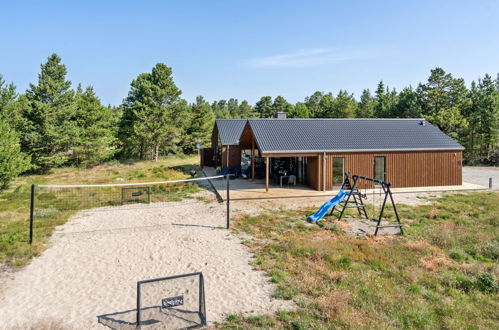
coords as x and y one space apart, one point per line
359 150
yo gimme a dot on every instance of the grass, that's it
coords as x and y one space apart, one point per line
54 208
441 274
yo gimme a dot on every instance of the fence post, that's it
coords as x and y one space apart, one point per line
31 213
228 201
138 306
490 183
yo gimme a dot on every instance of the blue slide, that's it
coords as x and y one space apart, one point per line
328 206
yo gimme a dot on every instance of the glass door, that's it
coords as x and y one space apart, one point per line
379 168
338 170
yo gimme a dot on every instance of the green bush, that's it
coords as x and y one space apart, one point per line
487 282
12 161
491 250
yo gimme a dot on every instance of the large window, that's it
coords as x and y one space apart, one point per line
380 168
338 170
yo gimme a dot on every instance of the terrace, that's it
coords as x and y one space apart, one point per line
246 189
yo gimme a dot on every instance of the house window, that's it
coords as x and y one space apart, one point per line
380 168
338 170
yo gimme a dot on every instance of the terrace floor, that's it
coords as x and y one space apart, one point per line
244 189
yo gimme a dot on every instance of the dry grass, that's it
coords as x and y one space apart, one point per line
15 250
442 274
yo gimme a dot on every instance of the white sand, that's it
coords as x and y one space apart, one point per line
96 258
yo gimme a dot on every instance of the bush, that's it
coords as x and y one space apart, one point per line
487 282
491 250
12 161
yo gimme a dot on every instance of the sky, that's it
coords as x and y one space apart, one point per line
248 49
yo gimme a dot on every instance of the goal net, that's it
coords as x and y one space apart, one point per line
175 302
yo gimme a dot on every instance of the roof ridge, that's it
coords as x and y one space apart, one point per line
366 119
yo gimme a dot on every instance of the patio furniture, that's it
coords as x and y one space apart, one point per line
290 179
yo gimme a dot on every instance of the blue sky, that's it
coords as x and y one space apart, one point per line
247 49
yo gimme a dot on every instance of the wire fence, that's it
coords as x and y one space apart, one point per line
50 200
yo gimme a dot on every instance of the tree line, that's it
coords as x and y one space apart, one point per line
52 125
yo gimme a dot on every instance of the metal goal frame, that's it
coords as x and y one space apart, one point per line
202 304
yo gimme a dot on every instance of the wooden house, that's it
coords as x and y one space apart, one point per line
405 152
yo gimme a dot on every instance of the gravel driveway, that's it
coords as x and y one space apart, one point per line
481 175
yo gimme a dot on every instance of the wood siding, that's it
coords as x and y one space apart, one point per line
403 169
234 156
313 172
207 157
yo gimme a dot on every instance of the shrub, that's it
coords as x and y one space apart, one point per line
12 161
487 282
491 250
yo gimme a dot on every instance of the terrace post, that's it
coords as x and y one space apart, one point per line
31 213
252 158
267 165
324 159
228 200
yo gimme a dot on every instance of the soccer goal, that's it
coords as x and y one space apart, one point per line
49 200
174 302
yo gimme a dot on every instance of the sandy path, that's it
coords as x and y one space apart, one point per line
97 257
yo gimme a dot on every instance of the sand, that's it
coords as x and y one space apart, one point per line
96 258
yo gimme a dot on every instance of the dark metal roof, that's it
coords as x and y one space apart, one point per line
230 130
342 135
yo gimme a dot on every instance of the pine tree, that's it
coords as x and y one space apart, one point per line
408 105
312 102
201 124
482 140
326 106
12 161
365 108
47 110
264 107
344 106
95 141
233 108
220 109
380 97
300 110
281 105
246 110
444 100
386 100
7 94
151 121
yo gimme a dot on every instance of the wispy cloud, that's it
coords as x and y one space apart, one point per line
308 57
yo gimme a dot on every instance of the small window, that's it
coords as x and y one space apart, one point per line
338 170
379 168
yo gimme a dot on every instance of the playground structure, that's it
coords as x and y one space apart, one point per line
350 196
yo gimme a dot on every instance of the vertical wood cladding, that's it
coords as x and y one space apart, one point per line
207 157
403 169
313 165
234 156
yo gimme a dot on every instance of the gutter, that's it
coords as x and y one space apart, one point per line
358 150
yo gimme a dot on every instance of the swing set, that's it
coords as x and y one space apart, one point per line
355 199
